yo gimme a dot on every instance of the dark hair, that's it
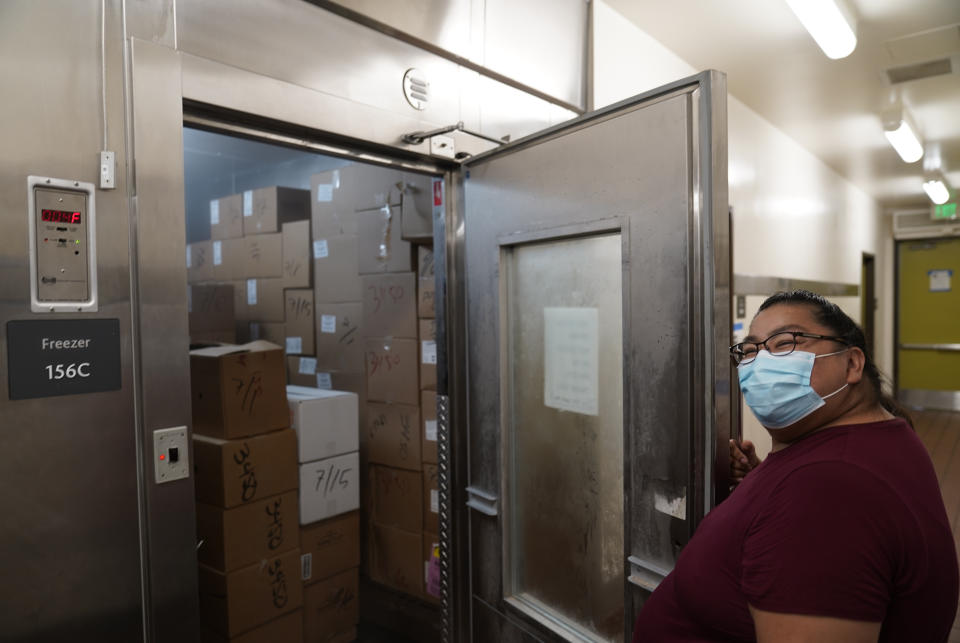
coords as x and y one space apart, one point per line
829 314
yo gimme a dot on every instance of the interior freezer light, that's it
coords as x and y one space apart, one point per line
830 24
937 190
905 142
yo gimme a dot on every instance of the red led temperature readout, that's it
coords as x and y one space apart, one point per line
60 216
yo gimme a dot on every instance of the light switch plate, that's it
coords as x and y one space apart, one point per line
163 441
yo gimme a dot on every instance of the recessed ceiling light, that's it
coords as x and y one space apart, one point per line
830 23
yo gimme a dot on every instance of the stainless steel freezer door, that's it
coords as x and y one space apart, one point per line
597 297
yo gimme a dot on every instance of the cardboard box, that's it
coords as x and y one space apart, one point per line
397 497
199 262
428 354
210 308
329 487
426 284
390 305
339 337
431 499
331 606
428 414
288 627
227 259
240 310
396 558
266 209
337 195
233 538
329 547
237 601
392 435
422 196
431 547
272 332
302 370
380 247
299 320
229 473
226 221
265 300
263 256
297 265
392 370
335 276
238 390
326 422
208 337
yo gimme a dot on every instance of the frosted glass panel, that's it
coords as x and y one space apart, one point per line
565 433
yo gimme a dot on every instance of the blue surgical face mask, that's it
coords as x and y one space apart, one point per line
777 387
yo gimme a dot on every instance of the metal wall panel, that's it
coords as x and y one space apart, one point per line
541 44
70 534
337 76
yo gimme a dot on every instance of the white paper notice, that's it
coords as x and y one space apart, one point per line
434 501
217 253
294 345
940 280
328 323
429 350
251 292
188 256
324 381
430 428
325 192
214 212
320 249
571 359
248 203
308 366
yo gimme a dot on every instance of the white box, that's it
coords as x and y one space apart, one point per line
329 487
327 422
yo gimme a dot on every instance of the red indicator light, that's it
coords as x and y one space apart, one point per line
163 456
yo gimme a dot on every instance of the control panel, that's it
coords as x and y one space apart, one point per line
171 454
62 224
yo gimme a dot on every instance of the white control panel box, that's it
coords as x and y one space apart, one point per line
171 450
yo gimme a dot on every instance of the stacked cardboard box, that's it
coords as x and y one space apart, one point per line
245 462
326 424
368 337
259 246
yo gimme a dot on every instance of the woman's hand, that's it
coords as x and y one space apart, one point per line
743 459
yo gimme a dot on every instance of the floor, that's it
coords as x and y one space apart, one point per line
940 432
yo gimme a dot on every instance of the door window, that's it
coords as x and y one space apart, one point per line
564 561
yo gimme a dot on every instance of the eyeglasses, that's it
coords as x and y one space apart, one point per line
779 344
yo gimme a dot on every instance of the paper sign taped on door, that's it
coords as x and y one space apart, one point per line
571 359
940 280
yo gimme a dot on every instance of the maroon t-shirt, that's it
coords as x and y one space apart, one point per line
848 522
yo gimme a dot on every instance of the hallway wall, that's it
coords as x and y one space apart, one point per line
793 216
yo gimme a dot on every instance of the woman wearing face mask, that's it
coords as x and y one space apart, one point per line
841 533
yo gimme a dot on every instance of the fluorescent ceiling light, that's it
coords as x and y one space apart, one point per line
830 24
905 142
936 189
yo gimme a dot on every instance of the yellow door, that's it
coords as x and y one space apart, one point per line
928 365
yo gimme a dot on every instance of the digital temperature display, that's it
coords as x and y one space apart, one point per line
60 216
